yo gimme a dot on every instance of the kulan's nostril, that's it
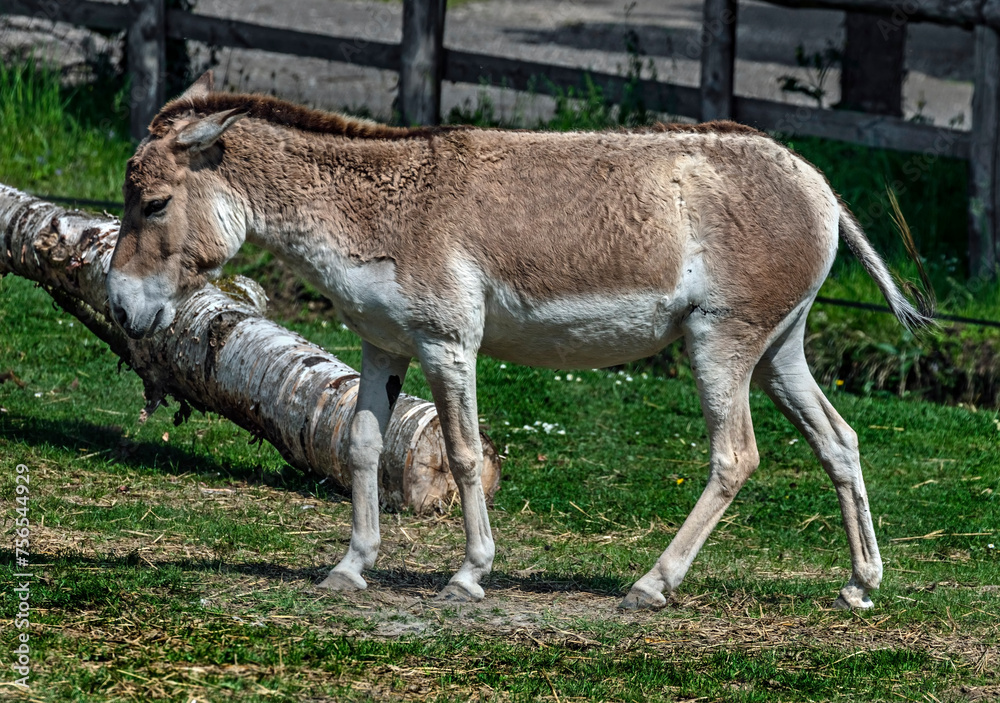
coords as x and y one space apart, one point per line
118 312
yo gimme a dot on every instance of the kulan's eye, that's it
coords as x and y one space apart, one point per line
154 206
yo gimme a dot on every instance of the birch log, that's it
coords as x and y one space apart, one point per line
222 355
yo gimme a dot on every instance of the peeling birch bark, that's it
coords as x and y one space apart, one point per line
222 355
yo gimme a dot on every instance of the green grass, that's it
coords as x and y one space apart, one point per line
181 565
60 141
175 563
870 353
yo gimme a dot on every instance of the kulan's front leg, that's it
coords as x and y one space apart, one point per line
451 371
382 376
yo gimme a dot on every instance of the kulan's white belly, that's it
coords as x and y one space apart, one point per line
581 331
588 331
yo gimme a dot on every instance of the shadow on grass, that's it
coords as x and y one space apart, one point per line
548 582
152 456
409 583
158 457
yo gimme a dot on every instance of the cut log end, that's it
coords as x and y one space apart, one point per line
430 486
422 479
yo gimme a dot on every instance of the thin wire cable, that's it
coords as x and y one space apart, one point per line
882 308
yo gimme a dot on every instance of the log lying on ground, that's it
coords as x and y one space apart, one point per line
221 355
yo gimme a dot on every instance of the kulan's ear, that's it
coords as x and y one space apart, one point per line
201 87
203 133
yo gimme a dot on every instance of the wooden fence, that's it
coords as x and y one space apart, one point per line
423 63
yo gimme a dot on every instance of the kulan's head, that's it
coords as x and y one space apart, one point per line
182 222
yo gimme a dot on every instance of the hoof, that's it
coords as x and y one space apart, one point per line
857 604
460 593
343 581
853 597
638 599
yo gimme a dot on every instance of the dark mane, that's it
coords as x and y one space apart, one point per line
716 127
288 114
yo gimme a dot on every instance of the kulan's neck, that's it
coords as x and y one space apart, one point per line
302 190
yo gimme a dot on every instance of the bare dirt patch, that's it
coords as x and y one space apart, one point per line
973 694
402 604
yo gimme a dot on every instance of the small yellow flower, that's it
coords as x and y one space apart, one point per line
680 481
839 382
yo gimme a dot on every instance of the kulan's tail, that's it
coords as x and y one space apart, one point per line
912 317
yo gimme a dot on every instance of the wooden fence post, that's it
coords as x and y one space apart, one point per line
421 62
984 189
147 58
871 79
718 59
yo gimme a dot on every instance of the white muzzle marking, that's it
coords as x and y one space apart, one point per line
142 306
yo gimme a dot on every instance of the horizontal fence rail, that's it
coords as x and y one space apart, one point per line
217 31
86 13
468 67
549 79
878 131
960 13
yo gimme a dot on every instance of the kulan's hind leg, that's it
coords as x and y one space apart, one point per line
724 388
785 377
